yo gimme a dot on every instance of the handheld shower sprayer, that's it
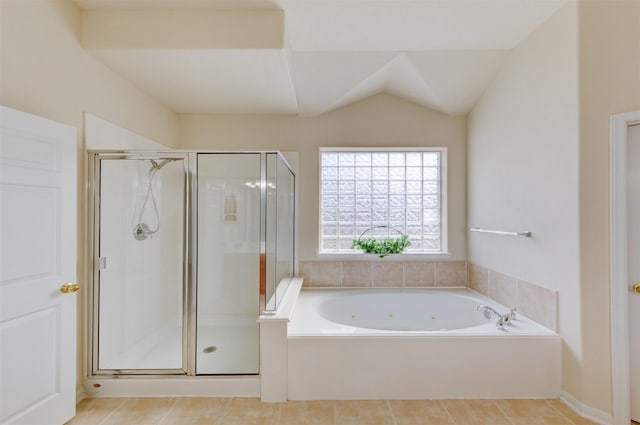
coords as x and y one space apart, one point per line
142 231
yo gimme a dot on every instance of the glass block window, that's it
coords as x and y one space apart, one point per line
400 190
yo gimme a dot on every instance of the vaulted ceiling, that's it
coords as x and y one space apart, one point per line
308 57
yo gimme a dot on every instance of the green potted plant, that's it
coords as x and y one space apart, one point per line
389 245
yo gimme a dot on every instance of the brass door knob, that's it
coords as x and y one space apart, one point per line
69 287
636 287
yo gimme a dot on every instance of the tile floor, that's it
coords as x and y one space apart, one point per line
250 411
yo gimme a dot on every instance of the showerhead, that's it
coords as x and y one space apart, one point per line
156 166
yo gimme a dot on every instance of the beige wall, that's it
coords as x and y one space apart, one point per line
531 110
523 174
379 121
609 84
44 71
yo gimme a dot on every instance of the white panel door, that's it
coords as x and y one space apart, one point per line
37 255
633 214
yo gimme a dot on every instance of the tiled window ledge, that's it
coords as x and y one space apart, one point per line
408 274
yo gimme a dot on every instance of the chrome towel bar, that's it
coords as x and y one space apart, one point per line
501 232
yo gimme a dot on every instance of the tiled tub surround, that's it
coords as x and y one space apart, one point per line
534 301
384 273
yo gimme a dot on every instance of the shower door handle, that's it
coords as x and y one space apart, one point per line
69 287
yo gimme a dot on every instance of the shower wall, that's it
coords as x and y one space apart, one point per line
141 283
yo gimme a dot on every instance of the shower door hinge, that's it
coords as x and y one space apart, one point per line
102 263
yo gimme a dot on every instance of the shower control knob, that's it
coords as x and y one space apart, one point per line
69 287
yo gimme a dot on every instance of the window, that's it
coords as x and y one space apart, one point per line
383 192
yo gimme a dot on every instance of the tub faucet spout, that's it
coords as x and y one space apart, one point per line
502 319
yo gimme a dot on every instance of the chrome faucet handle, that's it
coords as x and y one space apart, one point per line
502 319
512 314
506 319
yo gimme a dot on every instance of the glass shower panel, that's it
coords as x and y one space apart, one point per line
284 228
228 263
280 225
271 221
141 264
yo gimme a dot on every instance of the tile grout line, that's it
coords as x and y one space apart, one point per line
453 421
279 416
112 411
372 270
393 416
224 411
166 415
505 414
466 273
559 412
435 273
489 284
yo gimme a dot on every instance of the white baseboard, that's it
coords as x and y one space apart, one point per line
590 413
174 386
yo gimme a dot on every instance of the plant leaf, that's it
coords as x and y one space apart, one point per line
385 247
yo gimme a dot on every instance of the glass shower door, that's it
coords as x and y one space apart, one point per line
228 272
139 294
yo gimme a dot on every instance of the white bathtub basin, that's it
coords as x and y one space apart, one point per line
402 311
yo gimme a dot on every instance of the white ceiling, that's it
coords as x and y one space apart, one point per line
441 54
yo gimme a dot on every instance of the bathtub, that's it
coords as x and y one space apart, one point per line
354 344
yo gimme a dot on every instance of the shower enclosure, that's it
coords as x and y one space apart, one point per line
189 249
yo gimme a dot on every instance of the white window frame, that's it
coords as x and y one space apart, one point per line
444 227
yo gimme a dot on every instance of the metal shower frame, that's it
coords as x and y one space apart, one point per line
190 260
